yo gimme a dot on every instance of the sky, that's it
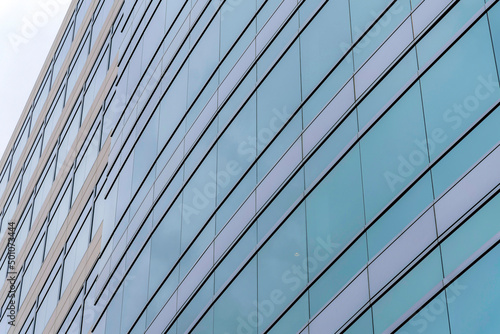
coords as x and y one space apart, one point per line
27 31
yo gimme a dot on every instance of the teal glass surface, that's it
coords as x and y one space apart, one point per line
232 203
198 200
280 204
363 325
468 152
474 298
337 276
328 89
145 151
465 94
282 271
446 28
197 248
236 149
474 233
393 152
135 292
364 13
330 150
280 145
172 107
278 96
387 89
294 319
432 319
335 210
165 248
195 306
278 45
407 292
114 312
382 29
321 51
236 310
415 3
203 59
404 211
233 260
232 21
494 21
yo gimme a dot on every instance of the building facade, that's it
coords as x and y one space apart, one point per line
258 166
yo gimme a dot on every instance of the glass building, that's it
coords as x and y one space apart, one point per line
258 166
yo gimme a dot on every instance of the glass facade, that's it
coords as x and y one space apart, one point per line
258 166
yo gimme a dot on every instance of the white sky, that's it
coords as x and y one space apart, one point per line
23 52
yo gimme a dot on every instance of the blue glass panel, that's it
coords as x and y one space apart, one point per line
432 319
407 292
468 92
446 28
466 153
400 215
381 30
393 152
338 275
320 51
474 298
387 88
335 210
282 271
471 235
294 319
363 325
236 310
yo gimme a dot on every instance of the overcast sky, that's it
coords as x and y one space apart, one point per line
27 31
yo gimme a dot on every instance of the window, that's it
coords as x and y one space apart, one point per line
393 152
469 92
335 212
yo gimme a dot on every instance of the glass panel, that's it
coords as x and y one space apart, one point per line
407 292
335 210
329 151
338 275
432 319
387 88
469 92
278 95
165 247
363 325
471 235
203 59
198 200
48 305
173 107
282 271
236 149
294 319
320 51
393 152
363 14
400 215
236 310
328 89
466 153
446 28
135 292
76 252
145 151
474 299
381 30
234 17
494 20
